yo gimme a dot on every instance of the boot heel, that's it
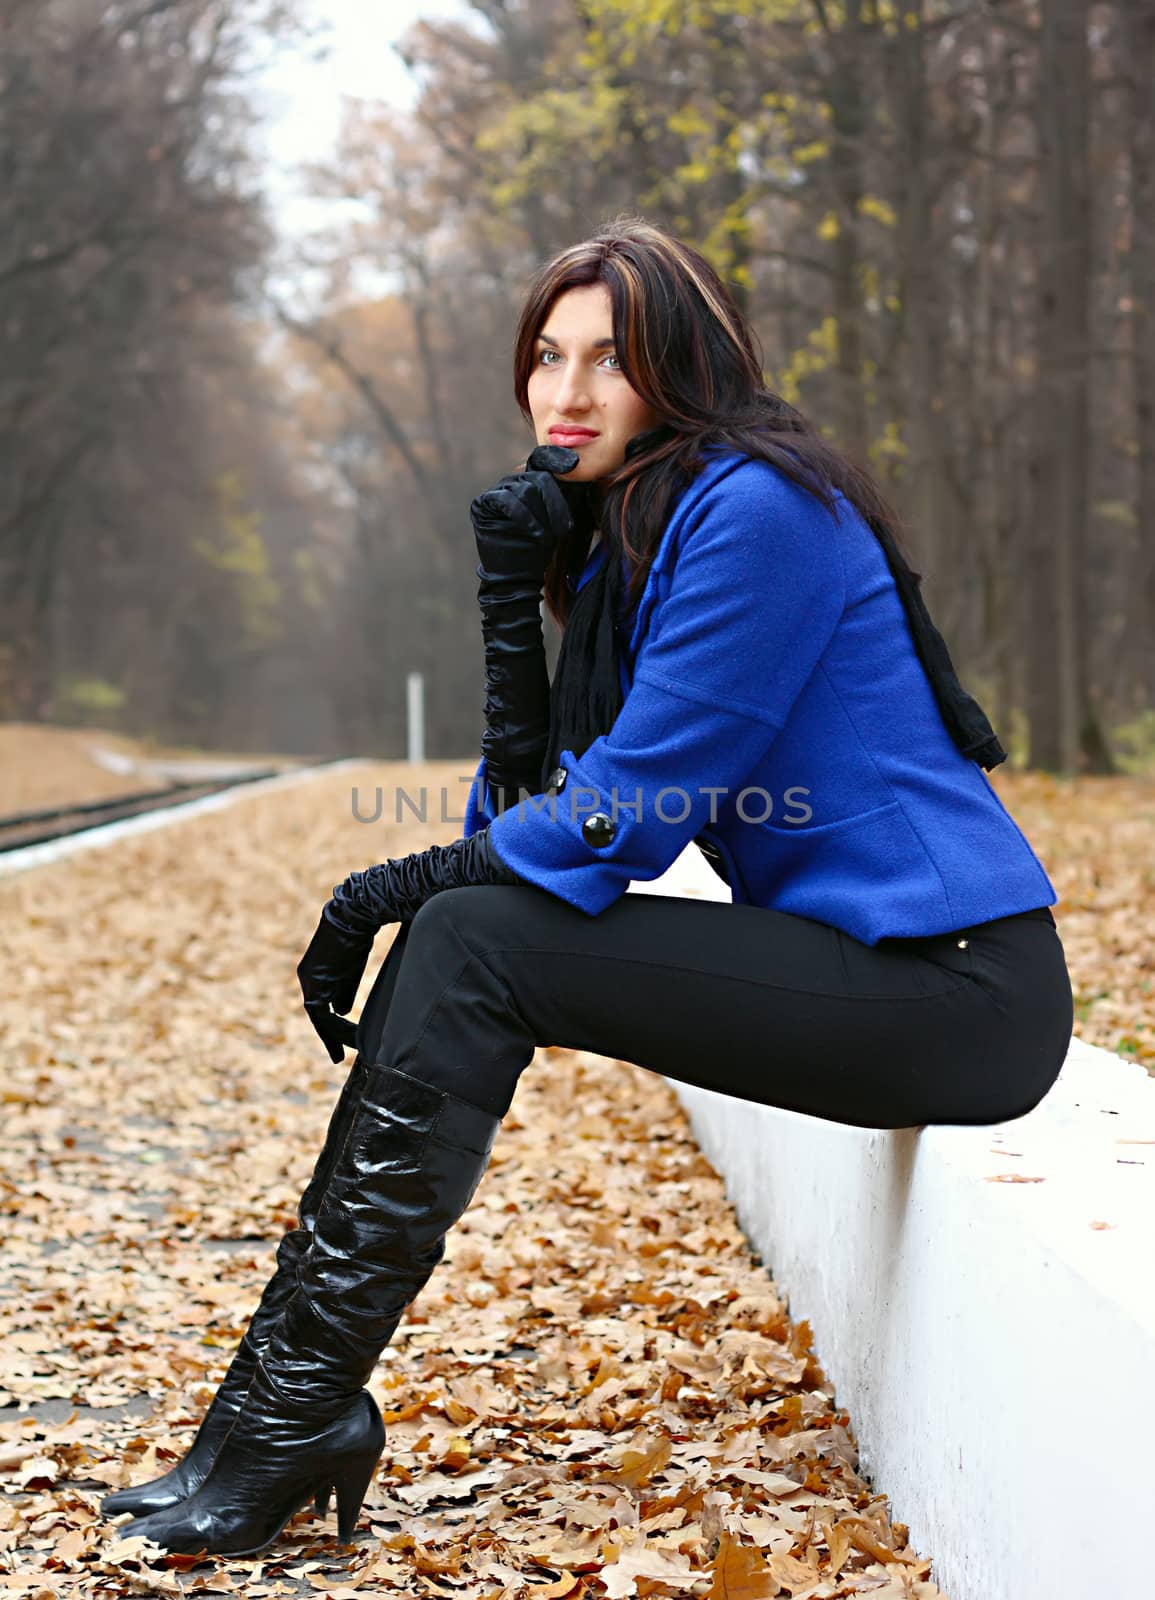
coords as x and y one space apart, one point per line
351 1484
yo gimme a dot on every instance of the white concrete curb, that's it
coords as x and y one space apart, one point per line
993 1342
35 855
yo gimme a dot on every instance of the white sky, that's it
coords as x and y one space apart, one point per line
303 95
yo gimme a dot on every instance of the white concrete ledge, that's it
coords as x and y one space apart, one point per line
993 1341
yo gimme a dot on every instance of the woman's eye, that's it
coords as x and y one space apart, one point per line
542 355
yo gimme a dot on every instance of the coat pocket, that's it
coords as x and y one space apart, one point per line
866 874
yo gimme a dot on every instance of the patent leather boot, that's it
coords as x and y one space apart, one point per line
411 1166
186 1477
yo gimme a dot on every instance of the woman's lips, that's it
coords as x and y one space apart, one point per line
572 437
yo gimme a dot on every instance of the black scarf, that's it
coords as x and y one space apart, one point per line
965 719
586 694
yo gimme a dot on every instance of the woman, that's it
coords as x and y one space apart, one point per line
747 664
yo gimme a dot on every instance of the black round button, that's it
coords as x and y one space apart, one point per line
557 779
598 830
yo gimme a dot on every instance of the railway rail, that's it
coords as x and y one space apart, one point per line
58 822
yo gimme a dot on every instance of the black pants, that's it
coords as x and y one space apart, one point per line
768 1006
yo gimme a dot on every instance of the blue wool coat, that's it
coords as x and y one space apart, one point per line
775 711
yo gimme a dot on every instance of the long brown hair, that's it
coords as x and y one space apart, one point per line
687 350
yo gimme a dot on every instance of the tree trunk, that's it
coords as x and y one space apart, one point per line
1140 27
848 44
1068 739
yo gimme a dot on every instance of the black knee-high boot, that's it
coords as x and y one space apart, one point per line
308 1426
187 1476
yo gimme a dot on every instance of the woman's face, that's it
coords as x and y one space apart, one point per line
577 380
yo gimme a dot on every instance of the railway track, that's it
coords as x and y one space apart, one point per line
58 822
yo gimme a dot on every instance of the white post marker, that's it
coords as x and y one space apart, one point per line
415 717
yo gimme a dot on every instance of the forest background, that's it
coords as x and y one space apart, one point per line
236 468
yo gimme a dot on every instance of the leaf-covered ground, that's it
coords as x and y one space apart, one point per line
599 1391
43 766
1096 838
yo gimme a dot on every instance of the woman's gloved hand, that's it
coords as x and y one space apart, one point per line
517 524
329 973
394 891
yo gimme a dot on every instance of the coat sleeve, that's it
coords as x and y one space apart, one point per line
756 594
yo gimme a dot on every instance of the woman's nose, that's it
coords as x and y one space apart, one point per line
573 392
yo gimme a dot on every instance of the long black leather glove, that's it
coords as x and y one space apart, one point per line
393 891
517 525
